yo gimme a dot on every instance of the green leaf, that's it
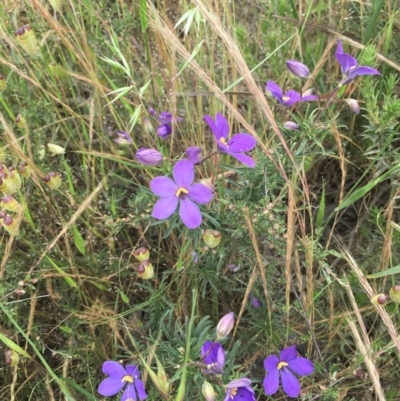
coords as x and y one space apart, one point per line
59 270
388 272
15 347
78 239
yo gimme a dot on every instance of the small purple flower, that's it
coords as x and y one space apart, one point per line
182 192
195 257
118 378
290 97
283 367
213 356
233 268
193 154
239 390
149 157
123 138
298 69
166 120
349 66
255 301
291 125
237 145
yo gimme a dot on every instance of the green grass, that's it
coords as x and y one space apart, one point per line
316 216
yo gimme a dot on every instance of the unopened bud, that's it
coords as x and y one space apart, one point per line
52 180
20 121
149 157
308 92
6 184
298 69
3 82
24 169
27 40
15 177
148 126
394 293
55 149
162 377
123 138
291 126
9 203
11 358
355 107
208 391
141 254
212 238
380 299
225 325
10 224
145 270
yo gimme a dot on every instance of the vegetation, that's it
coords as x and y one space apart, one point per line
304 248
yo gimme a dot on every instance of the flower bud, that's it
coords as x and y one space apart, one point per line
15 177
20 121
141 254
3 82
298 69
19 292
11 358
9 203
27 40
291 126
255 301
394 293
24 169
11 225
193 154
225 325
212 238
380 299
52 180
355 107
55 149
6 184
164 130
162 377
145 270
149 157
148 126
123 138
233 268
208 391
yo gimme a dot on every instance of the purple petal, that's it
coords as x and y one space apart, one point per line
221 358
239 383
164 130
222 126
361 70
346 62
301 366
290 384
271 382
275 90
152 112
308 98
244 394
241 143
247 160
163 186
165 207
193 154
290 98
183 173
110 386
133 371
165 117
129 393
339 49
287 354
199 193
123 138
113 369
190 213
298 69
271 363
139 385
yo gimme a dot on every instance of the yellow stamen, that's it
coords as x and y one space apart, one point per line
181 191
285 98
282 365
233 392
223 141
128 379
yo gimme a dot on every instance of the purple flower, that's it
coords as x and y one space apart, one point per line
283 367
290 97
118 378
291 125
149 157
182 192
298 69
166 120
349 66
233 268
213 355
235 146
193 154
239 390
123 138
255 301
